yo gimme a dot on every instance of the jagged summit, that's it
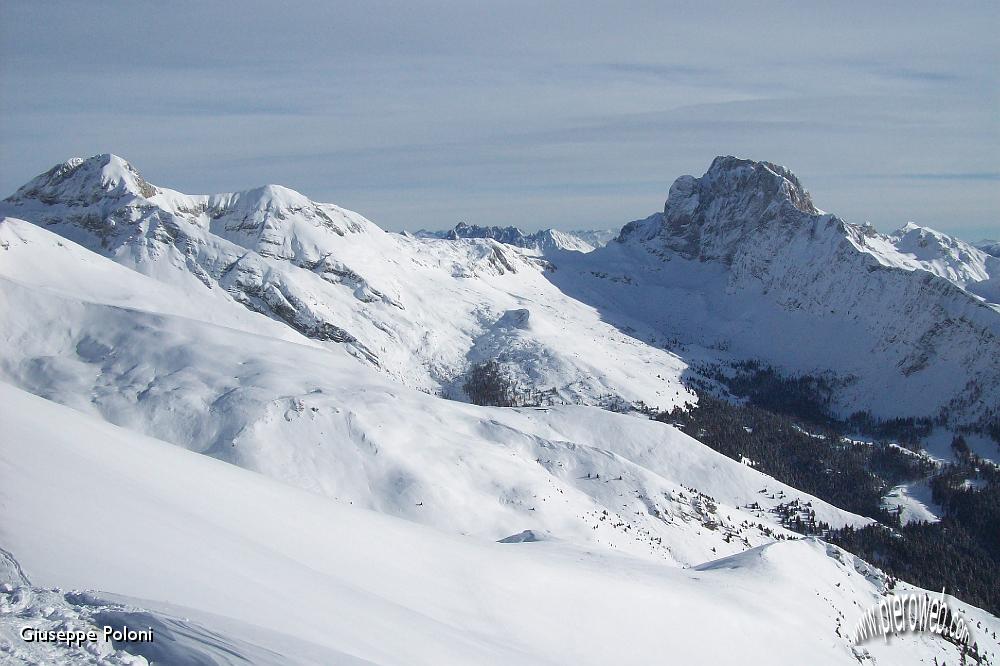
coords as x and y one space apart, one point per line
768 182
709 217
757 218
759 189
84 182
511 235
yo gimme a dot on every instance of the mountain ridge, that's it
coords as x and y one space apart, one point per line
389 299
334 276
542 241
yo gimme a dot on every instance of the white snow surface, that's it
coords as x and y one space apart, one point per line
914 501
87 505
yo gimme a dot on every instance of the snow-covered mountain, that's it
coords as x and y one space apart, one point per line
914 247
743 261
421 310
150 336
990 247
739 265
546 240
596 237
741 212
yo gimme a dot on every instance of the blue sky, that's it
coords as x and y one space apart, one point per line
572 115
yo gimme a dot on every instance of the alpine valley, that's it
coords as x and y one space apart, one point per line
276 433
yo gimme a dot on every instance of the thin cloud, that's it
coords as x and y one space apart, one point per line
562 114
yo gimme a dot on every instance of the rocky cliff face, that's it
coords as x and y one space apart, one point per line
713 217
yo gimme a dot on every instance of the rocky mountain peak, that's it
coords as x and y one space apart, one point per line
107 202
752 190
734 201
84 182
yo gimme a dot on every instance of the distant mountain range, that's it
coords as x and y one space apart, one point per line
542 241
990 247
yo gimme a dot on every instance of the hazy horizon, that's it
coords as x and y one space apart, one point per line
573 116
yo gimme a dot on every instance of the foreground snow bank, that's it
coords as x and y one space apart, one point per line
89 505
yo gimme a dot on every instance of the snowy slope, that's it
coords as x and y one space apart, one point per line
914 501
918 248
419 310
208 554
596 237
319 419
